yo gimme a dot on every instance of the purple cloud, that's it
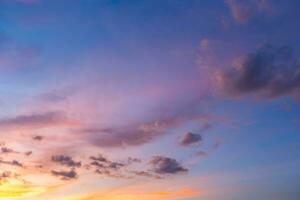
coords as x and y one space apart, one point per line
7 150
65 175
268 73
42 120
166 165
65 160
190 138
134 135
13 162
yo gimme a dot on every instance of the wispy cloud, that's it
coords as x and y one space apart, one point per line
34 121
14 54
243 11
136 134
13 163
65 175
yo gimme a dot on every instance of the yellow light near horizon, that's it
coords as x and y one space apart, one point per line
132 195
15 190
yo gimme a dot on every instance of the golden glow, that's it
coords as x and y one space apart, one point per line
125 194
16 190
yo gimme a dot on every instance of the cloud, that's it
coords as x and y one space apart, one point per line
166 165
201 153
42 120
213 148
15 54
65 160
52 97
57 95
38 137
133 135
7 150
13 163
111 174
4 176
243 10
190 138
65 175
104 163
28 153
119 169
131 160
269 72
146 174
97 164
115 165
108 168
99 158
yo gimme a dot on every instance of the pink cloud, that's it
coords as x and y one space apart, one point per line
34 121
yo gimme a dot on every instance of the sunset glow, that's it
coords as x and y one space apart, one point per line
149 100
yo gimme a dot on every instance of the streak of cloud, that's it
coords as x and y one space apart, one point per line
136 134
65 175
35 121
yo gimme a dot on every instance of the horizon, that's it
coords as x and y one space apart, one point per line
149 99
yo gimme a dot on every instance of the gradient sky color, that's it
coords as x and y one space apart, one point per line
149 99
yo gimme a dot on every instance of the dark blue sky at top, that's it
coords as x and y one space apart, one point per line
127 61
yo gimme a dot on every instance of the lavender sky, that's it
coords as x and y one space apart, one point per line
149 99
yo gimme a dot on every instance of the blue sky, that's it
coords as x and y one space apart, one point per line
149 99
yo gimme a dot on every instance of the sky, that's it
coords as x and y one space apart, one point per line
149 99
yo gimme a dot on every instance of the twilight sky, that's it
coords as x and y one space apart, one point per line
149 99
